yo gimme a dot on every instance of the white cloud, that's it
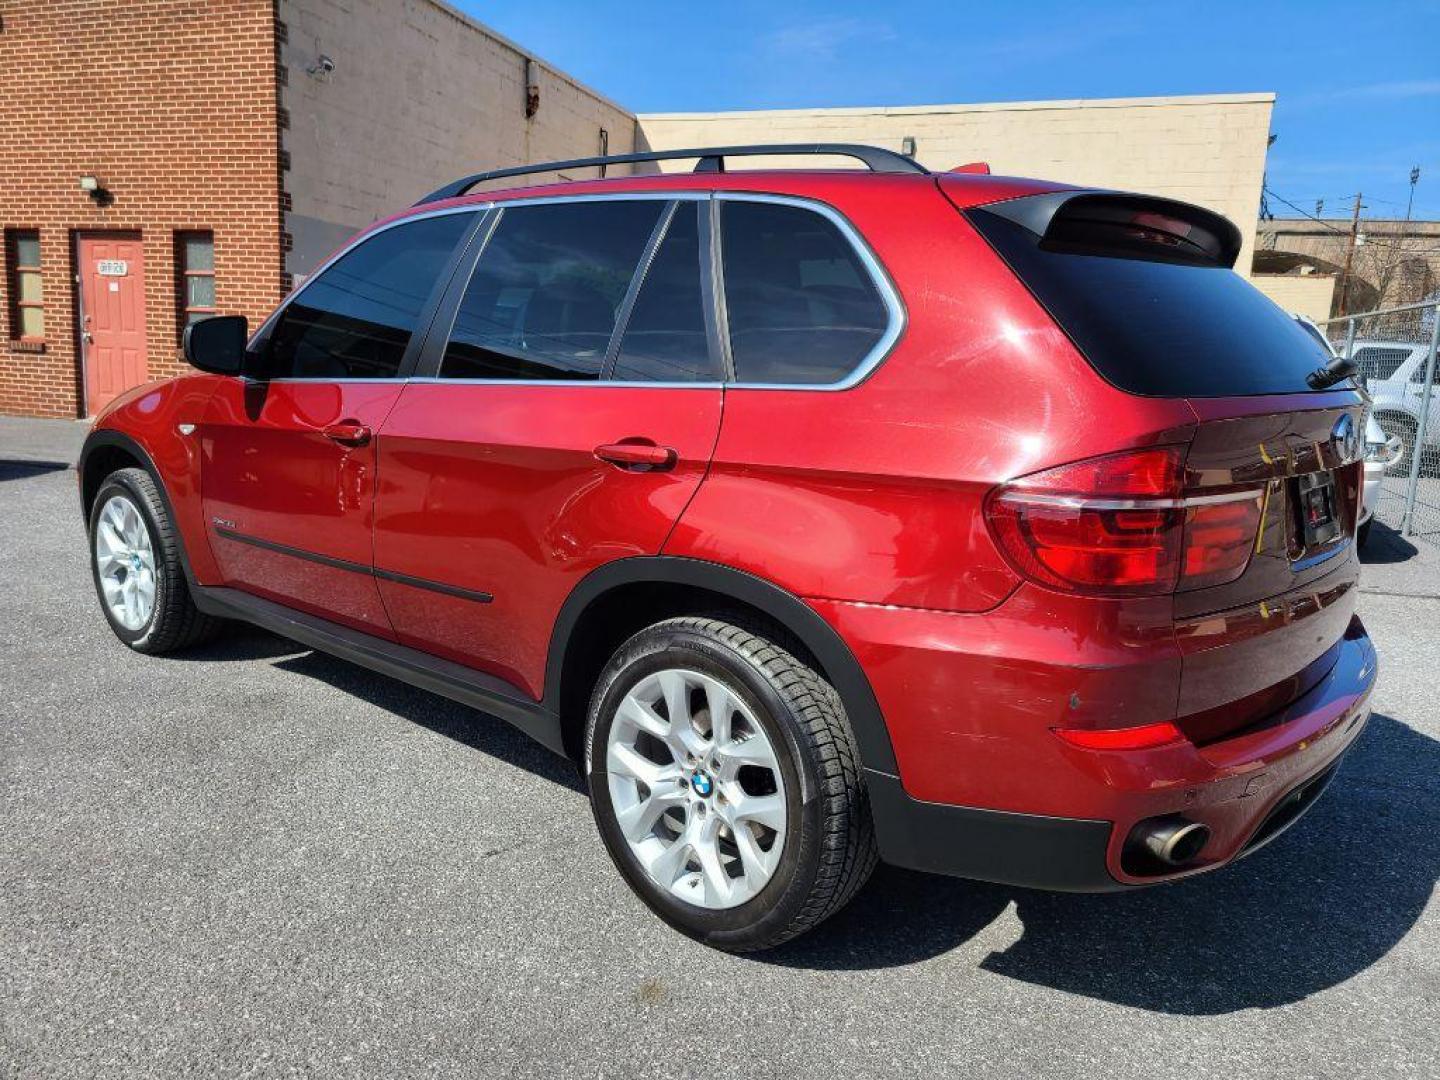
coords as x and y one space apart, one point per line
822 39
1402 90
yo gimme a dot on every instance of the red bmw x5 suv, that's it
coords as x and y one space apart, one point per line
986 526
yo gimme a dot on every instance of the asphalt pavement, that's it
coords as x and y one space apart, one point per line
258 861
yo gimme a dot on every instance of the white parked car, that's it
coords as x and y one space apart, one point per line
1382 448
1394 373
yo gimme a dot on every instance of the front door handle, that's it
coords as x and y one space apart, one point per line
638 455
347 433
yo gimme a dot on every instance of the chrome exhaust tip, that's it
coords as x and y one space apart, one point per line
1176 841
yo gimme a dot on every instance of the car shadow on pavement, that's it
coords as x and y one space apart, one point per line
240 641
1387 546
1316 907
15 469
1319 905
465 725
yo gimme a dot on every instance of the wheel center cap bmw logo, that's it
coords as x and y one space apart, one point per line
702 784
1346 439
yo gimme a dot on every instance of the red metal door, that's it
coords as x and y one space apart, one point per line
112 315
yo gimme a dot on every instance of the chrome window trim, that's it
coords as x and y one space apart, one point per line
631 383
879 277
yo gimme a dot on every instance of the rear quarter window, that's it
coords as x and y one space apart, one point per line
801 305
1161 328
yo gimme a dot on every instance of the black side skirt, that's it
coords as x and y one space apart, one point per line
439 676
1031 850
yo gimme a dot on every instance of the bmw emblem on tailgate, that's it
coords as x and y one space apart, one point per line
1346 439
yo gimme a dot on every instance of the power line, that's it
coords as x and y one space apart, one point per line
1305 213
1369 240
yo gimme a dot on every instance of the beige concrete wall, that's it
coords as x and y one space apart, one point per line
1205 149
1299 294
419 95
1394 262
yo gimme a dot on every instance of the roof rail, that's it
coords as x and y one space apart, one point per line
711 159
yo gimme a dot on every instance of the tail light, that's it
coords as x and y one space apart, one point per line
1123 525
1141 737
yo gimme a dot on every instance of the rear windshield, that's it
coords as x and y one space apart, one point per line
1161 328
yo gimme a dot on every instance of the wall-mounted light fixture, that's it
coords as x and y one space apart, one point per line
94 187
532 88
907 146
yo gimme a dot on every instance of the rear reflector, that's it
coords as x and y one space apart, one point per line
1122 525
1143 737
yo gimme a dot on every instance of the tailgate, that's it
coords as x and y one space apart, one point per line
1251 646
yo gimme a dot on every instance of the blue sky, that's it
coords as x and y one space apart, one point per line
1358 83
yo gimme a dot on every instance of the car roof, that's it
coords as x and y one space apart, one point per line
823 185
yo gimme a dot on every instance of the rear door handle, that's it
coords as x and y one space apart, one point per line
347 433
638 455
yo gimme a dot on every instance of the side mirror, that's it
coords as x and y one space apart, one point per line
217 344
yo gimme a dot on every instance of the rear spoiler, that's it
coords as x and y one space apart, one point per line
1122 225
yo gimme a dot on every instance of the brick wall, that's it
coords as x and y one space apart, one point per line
172 103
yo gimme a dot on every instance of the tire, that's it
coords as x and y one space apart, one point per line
170 620
790 747
1362 535
1405 427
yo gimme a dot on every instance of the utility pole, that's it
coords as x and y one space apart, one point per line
1349 256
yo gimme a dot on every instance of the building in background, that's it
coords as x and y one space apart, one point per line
1392 263
170 159
1207 149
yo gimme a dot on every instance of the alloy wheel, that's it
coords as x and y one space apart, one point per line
125 563
697 788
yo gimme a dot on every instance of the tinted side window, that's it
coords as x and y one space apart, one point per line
665 338
355 319
801 306
544 297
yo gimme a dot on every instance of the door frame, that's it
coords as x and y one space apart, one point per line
82 365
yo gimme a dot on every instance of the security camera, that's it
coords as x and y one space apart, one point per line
323 66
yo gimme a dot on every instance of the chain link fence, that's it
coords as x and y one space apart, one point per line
1395 351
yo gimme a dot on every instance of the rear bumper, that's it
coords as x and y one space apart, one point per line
1246 789
1374 477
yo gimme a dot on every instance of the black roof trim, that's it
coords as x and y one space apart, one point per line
711 159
